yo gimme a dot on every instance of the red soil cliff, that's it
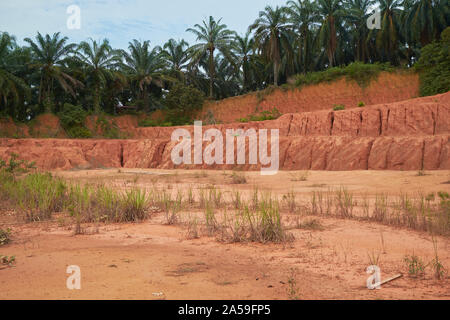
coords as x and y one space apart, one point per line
407 135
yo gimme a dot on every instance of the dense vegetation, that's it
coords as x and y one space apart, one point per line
288 44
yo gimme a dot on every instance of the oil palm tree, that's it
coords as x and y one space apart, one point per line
175 54
303 19
144 67
388 37
49 53
99 60
271 36
426 19
330 11
211 35
243 49
356 16
11 86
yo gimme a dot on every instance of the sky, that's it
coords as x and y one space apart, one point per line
121 21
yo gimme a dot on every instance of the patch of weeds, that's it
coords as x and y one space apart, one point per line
9 261
5 236
310 224
421 173
361 104
192 229
291 203
15 165
374 259
436 264
415 265
299 176
292 289
338 107
238 178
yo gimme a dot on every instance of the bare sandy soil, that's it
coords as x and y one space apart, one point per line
151 260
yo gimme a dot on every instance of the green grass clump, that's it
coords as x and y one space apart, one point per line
5 236
262 116
338 107
359 72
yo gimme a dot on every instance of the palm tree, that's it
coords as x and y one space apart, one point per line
176 56
330 11
243 50
212 35
271 36
144 67
426 20
49 54
357 15
98 59
388 37
303 18
11 86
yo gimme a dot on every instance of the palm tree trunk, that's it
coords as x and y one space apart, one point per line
211 72
97 100
275 73
145 98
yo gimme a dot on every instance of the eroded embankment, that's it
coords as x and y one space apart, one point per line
407 135
387 88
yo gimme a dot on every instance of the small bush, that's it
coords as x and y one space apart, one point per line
415 265
5 236
339 107
434 66
360 72
361 104
73 119
237 178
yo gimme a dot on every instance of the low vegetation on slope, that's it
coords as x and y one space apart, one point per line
256 217
434 66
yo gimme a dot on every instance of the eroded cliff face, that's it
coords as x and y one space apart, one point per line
408 135
387 88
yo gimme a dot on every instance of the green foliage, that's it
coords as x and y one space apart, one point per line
181 103
15 165
154 123
73 119
359 72
434 66
7 260
108 128
338 107
263 116
5 236
415 265
361 104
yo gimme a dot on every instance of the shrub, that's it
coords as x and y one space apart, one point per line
182 101
434 66
360 72
339 107
72 119
79 133
5 236
361 104
15 165
415 265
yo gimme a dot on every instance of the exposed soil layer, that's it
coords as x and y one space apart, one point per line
407 135
387 88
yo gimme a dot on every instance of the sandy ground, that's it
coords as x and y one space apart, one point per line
153 261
